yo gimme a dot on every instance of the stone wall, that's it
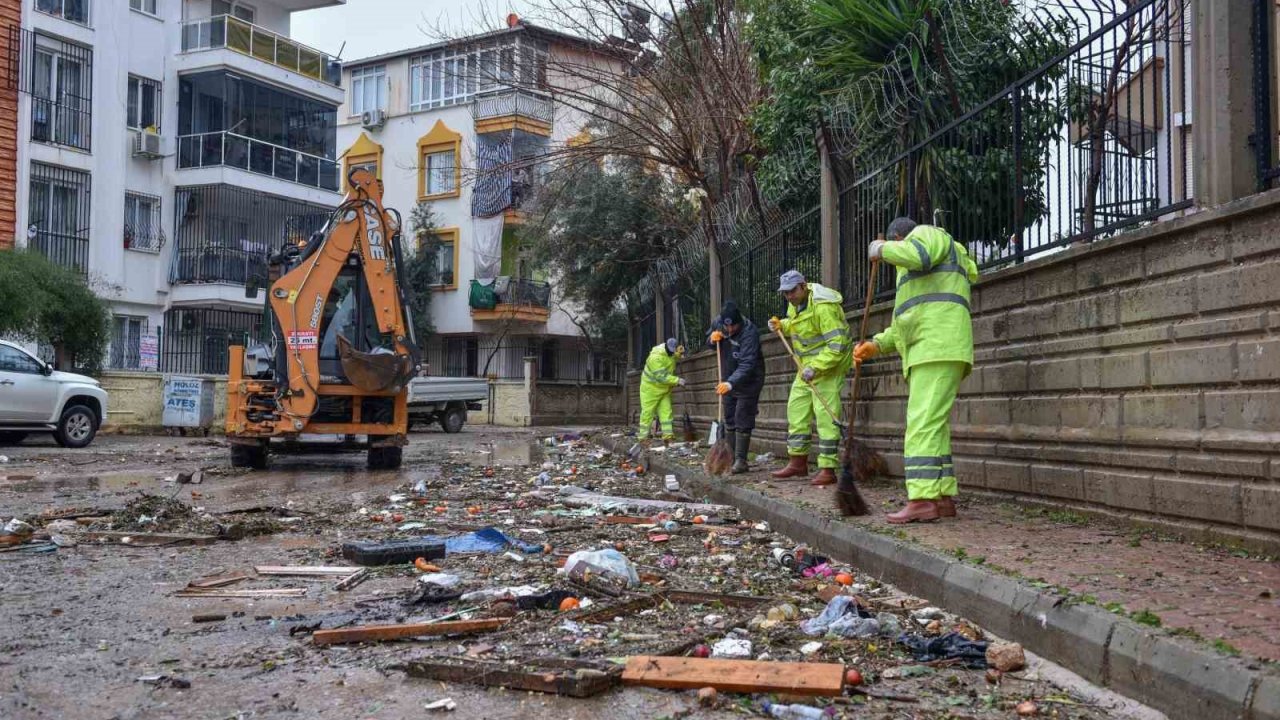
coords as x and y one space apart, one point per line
1137 376
561 403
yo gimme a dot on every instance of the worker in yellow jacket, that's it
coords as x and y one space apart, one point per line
656 384
933 333
819 334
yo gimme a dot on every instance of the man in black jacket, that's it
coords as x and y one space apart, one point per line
743 371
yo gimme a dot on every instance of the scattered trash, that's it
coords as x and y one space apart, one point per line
446 704
810 648
852 677
304 570
62 541
795 712
951 646
443 580
609 564
378 633
742 676
837 609
731 648
708 697
394 552
166 681
1027 708
671 483
852 625
1006 657
924 615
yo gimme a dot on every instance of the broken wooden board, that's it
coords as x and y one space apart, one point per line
571 678
645 506
220 593
352 580
324 570
377 633
145 539
216 581
742 676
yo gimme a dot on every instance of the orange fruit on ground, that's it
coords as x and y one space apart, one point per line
844 578
569 603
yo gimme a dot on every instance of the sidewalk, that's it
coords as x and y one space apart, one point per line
1185 628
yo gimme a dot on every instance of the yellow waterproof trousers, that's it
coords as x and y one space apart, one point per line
803 407
656 400
926 453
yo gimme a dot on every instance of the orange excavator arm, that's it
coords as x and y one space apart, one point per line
298 298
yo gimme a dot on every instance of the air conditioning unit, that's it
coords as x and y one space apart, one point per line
373 119
146 144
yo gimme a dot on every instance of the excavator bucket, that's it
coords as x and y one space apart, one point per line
376 371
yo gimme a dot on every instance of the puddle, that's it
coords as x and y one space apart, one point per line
104 483
506 454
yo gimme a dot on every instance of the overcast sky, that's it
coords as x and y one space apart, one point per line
373 27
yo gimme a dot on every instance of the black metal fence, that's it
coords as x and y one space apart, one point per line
58 215
58 77
751 276
644 331
556 359
197 340
1264 138
1091 142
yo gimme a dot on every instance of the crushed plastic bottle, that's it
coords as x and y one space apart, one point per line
795 712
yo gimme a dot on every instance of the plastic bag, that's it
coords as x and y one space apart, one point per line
952 646
609 560
851 625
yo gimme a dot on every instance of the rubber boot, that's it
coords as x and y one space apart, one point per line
799 466
915 511
946 506
825 476
731 437
740 447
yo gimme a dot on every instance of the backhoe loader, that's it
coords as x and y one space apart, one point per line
337 351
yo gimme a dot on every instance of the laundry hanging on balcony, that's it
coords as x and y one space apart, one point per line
487 246
492 192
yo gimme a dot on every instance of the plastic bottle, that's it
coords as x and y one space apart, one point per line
795 712
785 558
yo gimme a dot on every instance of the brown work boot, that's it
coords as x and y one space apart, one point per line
825 476
946 506
914 511
799 465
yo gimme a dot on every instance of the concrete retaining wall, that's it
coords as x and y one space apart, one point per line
561 403
1139 376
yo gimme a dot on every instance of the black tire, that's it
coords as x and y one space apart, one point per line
12 437
385 458
249 456
77 427
452 420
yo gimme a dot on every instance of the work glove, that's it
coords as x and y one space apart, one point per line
807 374
679 351
775 324
875 249
716 336
680 382
865 351
724 388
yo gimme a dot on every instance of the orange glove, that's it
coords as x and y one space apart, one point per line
865 351
716 336
723 388
775 324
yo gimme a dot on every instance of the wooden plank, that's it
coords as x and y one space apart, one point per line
220 593
743 676
145 539
304 569
352 580
560 677
216 581
364 633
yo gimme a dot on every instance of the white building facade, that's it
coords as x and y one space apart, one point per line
163 147
439 125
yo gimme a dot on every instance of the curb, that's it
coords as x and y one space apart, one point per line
1184 682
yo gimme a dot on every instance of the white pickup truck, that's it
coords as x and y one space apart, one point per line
35 398
445 400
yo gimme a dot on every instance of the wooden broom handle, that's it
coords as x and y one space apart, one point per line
719 380
866 317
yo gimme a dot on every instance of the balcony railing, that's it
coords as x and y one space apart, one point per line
218 265
229 149
522 292
224 31
503 103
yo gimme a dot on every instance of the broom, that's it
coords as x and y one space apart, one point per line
720 456
860 462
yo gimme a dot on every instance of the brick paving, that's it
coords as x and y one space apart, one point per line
1193 588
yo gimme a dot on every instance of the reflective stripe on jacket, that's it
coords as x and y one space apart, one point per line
660 368
818 332
931 319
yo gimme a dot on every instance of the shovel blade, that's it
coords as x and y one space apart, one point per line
374 372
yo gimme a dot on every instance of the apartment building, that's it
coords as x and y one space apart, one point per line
162 147
449 124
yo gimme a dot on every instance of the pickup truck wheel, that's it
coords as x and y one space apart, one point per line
452 420
249 456
77 427
12 437
385 458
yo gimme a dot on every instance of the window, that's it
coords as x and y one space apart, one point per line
76 11
61 85
446 249
14 360
235 9
368 89
58 213
143 109
146 6
452 76
126 342
142 229
441 172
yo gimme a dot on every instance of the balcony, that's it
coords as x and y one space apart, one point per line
513 109
230 33
229 149
517 299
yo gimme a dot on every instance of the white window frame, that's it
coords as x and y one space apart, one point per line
142 212
441 179
446 250
364 80
141 6
453 76
58 98
133 115
47 7
240 11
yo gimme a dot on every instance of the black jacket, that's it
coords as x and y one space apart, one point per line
742 361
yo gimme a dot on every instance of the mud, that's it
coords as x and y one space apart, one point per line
79 627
